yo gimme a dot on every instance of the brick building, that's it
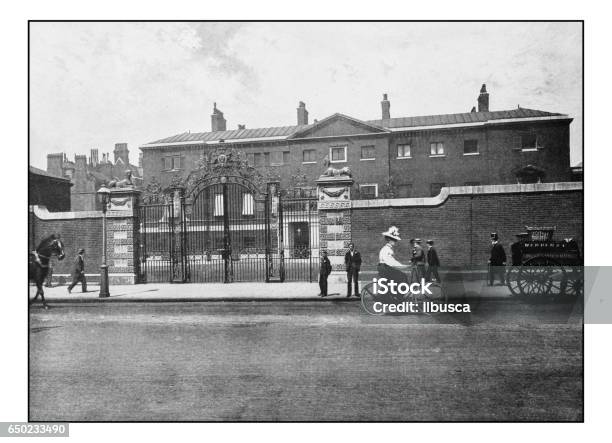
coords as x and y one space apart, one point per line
88 174
48 190
388 157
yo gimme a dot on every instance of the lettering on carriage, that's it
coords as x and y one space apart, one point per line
120 235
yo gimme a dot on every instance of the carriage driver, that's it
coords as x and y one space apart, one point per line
387 264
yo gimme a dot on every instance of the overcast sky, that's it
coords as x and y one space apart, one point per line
97 84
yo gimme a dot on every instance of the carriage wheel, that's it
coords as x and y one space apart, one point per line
438 294
574 282
541 276
368 298
512 280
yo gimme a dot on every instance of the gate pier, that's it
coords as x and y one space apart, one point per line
122 236
334 206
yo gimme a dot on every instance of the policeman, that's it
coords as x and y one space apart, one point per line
325 269
497 261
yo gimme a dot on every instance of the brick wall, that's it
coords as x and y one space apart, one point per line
76 233
461 224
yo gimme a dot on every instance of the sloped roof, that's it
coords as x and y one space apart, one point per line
37 171
282 132
465 117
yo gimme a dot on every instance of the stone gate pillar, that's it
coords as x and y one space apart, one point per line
122 236
334 205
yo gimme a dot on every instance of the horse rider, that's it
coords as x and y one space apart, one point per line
388 266
78 272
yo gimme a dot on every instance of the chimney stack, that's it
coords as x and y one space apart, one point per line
80 161
121 151
93 157
302 114
55 163
386 108
483 99
217 122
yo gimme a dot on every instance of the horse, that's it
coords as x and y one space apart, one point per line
38 263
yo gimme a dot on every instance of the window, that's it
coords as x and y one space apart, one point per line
218 205
337 154
257 159
367 192
470 147
437 148
368 153
309 156
171 163
276 158
471 184
286 157
266 159
251 159
529 142
404 191
403 151
436 188
247 204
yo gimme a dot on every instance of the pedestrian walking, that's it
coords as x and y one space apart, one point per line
433 262
325 269
497 261
352 263
78 272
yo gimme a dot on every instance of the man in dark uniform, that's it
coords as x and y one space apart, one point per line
352 262
432 262
325 269
418 258
78 272
497 261
516 248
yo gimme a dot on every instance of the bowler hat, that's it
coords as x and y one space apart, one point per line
81 251
430 242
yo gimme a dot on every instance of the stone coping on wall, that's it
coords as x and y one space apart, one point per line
446 192
43 213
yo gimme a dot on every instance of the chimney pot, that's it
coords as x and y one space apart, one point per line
241 126
302 114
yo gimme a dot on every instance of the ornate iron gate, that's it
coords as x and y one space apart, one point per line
227 231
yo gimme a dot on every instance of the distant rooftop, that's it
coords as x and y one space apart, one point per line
283 132
37 171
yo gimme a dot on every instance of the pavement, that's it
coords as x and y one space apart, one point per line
288 291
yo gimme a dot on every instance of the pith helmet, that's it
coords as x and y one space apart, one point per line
393 233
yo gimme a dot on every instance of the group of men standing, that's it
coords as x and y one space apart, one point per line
425 263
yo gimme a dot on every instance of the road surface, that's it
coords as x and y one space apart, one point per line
257 360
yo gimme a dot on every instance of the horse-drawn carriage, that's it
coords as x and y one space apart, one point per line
542 266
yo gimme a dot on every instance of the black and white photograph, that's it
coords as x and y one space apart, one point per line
292 222
313 221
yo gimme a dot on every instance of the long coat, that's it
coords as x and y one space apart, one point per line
352 262
498 255
326 267
79 266
432 257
